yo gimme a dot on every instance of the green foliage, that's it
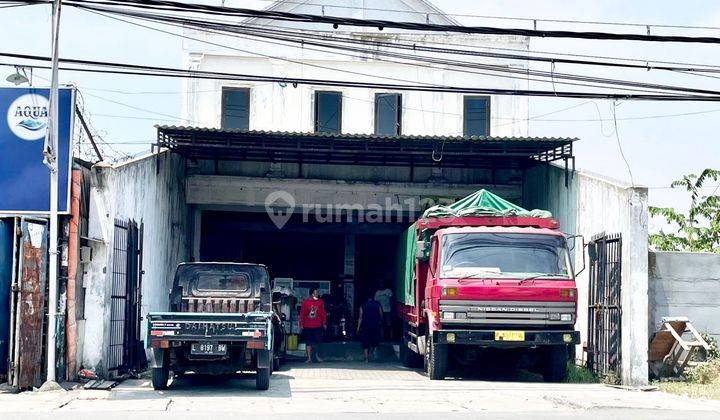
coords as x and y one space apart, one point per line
579 375
699 229
705 373
713 352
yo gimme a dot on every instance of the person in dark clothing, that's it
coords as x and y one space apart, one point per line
370 326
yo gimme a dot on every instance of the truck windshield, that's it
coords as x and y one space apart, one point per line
498 255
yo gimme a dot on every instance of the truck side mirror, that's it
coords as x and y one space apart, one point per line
584 245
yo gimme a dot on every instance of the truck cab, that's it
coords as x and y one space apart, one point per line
492 283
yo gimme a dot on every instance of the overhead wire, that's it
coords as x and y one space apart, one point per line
648 62
382 24
643 86
416 46
619 143
134 69
511 18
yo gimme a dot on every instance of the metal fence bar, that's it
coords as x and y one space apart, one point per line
604 305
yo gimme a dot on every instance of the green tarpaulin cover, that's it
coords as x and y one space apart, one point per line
480 203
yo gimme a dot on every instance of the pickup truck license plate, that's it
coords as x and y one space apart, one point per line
509 335
208 348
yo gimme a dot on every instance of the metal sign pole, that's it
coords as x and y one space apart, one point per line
50 157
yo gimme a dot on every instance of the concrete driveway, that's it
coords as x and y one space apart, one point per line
355 390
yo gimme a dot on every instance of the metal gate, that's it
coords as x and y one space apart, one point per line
123 349
604 305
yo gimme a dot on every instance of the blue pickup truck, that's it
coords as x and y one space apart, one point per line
220 321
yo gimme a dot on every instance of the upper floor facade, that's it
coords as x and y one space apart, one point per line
276 106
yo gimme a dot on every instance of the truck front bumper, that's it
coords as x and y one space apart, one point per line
487 338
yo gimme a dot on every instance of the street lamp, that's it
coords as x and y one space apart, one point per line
18 78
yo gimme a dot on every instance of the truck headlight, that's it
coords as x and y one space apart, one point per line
460 315
565 317
448 315
554 317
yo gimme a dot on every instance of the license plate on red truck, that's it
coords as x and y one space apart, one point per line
208 348
509 335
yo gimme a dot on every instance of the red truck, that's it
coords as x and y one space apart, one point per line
479 285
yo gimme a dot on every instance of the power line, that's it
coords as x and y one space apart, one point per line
622 153
646 64
415 47
424 59
519 19
140 70
381 24
673 188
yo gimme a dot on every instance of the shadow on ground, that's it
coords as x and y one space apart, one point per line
197 385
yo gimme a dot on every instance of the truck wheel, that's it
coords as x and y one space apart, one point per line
556 364
160 377
435 359
262 379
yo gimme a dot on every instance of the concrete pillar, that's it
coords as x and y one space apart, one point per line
635 289
196 233
349 269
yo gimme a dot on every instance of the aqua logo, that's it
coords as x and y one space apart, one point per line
27 116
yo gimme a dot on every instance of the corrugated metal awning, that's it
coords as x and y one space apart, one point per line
362 149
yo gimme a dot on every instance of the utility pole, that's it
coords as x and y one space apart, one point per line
51 161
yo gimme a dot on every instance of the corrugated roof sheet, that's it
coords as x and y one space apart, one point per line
163 128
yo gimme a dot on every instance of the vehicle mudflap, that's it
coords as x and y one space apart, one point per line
263 358
157 357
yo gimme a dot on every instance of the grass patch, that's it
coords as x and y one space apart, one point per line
579 375
692 390
703 381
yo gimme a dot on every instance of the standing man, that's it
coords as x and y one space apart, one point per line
383 296
369 326
313 321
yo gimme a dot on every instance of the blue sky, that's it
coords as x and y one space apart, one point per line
658 149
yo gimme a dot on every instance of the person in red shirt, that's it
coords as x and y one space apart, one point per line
313 321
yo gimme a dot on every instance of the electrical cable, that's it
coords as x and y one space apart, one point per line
140 70
425 59
381 24
622 153
691 68
647 63
519 19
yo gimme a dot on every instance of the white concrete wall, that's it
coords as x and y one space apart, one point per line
287 108
685 284
590 205
149 191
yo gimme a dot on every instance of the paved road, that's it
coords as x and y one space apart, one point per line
354 391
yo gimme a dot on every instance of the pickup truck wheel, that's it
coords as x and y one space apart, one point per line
556 364
262 379
436 359
160 377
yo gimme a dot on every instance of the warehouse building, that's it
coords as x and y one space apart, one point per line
318 183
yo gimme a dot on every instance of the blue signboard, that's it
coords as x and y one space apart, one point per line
24 179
